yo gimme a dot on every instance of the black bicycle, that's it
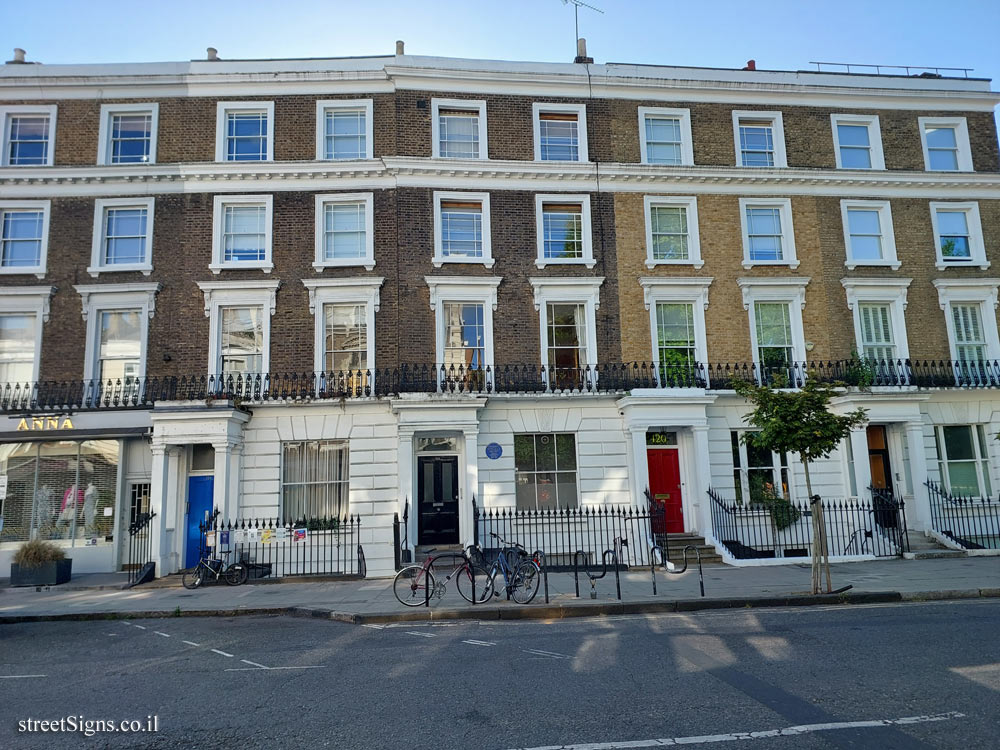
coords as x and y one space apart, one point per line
209 568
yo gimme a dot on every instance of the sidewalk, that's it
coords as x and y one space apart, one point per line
372 601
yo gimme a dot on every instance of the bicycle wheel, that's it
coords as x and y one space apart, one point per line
525 582
413 586
237 574
498 584
192 578
464 582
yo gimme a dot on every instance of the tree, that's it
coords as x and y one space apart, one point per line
800 421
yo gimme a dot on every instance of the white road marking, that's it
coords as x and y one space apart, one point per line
479 643
549 654
794 731
141 627
191 643
159 633
253 663
221 653
425 635
374 627
269 669
20 676
112 634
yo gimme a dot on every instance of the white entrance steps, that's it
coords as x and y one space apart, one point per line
923 547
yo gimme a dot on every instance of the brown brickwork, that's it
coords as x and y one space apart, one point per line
819 243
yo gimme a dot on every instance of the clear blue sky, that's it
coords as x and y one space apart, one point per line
779 34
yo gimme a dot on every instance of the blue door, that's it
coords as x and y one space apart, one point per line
200 494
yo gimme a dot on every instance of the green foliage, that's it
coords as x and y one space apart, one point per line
859 372
797 421
320 524
763 494
36 553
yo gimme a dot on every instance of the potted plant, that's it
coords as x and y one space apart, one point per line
40 563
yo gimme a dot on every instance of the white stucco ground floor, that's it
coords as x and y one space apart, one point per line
427 459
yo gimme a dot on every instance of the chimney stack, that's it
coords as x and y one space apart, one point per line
581 52
18 57
213 54
399 47
751 65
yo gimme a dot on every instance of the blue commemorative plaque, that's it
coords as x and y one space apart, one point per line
494 451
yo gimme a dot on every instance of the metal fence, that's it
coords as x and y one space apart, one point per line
777 529
274 548
970 522
614 377
561 533
140 545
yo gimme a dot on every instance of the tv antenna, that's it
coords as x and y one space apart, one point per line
576 15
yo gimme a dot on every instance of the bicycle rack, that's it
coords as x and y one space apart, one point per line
545 575
671 568
594 578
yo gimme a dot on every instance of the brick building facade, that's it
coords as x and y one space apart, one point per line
525 278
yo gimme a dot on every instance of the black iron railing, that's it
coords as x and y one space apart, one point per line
276 548
778 528
140 545
562 533
615 377
971 522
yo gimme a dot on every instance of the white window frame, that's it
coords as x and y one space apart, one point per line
588 234
349 291
323 105
99 298
977 247
219 294
982 292
889 259
875 153
223 110
891 292
984 465
582 290
690 204
686 290
27 109
487 238
43 253
687 146
481 290
218 225
108 111
964 151
787 231
581 128
438 104
790 290
777 135
29 300
321 261
744 468
97 264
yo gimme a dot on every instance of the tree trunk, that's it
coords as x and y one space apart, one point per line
816 532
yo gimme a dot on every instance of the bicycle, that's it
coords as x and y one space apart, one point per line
415 585
520 580
209 567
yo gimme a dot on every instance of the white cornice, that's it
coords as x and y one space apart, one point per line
388 73
392 172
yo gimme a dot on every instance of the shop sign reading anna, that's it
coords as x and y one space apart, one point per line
32 424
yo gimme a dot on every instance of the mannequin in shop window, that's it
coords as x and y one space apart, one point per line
72 500
90 509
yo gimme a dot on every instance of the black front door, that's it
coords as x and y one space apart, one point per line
437 499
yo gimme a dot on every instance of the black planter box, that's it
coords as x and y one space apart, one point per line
49 574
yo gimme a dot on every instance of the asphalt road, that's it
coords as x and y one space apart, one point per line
839 677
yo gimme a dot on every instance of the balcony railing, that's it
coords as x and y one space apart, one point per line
143 393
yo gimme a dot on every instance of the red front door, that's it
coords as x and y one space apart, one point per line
665 488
